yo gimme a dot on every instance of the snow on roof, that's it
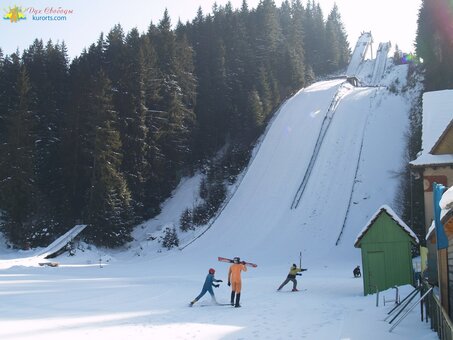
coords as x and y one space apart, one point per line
446 202
442 136
428 159
394 216
437 115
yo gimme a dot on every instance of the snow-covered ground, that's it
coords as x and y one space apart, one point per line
143 292
144 299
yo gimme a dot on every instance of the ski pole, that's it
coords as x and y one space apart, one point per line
401 302
402 308
412 307
300 260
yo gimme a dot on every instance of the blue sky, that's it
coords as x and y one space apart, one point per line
388 20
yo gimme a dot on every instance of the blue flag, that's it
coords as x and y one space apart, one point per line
442 240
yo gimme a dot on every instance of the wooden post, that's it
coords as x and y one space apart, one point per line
442 266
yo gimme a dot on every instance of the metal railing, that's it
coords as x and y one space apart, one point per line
437 315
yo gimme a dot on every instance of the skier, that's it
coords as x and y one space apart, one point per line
234 280
207 287
293 271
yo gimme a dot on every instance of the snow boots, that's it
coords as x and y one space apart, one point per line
295 290
192 303
238 298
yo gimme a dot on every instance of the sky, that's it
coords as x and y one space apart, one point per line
143 291
388 20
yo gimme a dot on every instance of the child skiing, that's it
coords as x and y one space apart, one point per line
293 271
234 280
207 287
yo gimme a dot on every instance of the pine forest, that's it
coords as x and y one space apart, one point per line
104 138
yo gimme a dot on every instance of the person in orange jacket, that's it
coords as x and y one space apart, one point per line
234 280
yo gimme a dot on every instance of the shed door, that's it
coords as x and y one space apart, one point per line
376 271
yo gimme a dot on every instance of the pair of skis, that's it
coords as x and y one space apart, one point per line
214 304
248 264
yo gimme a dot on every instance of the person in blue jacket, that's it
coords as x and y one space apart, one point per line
207 287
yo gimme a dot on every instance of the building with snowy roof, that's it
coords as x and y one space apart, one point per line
386 243
435 160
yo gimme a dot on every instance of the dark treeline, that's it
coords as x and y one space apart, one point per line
434 47
104 139
434 43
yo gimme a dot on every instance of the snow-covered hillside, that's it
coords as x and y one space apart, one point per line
344 145
330 158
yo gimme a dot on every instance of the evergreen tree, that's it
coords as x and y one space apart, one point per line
268 32
108 211
115 60
434 44
315 46
217 94
77 143
154 190
268 38
18 192
255 110
296 51
43 105
176 111
133 119
57 94
336 39
209 131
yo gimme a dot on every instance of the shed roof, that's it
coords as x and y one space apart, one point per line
394 216
442 136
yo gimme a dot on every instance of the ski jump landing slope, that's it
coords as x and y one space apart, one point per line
258 222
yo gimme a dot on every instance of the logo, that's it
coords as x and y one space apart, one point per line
15 14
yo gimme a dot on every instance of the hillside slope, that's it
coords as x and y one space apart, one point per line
353 174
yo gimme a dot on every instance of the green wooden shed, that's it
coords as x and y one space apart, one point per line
385 242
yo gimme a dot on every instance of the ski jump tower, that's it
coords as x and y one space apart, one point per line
360 51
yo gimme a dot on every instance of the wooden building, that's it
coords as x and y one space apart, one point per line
435 161
386 243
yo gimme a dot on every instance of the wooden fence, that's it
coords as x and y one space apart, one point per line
436 315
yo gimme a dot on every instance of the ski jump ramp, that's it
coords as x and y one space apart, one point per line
55 246
380 62
62 241
360 51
